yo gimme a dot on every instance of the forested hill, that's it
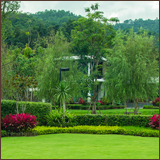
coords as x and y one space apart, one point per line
151 25
57 17
41 24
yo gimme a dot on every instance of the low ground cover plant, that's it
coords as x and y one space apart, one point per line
19 122
129 130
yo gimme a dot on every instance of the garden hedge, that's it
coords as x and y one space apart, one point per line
101 107
39 109
136 131
150 107
113 120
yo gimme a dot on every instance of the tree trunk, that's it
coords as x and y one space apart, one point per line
135 107
50 107
64 105
54 104
94 108
125 104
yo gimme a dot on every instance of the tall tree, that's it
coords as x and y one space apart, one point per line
7 8
132 70
90 39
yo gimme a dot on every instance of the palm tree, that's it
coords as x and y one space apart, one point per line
62 94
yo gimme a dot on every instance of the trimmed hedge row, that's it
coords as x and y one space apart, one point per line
113 120
41 130
39 109
101 107
150 107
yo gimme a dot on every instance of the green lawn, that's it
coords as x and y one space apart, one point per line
80 146
117 111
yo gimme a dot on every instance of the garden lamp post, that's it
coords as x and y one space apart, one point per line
62 69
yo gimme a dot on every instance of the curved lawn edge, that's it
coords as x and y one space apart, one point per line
123 130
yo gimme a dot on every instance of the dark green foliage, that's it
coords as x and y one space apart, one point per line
101 107
152 25
34 108
3 133
150 107
157 104
112 120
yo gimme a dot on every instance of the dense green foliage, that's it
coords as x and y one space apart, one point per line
112 120
130 62
39 109
3 133
41 23
150 107
151 25
117 111
86 107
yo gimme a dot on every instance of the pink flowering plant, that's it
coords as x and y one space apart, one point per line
81 101
19 122
154 121
100 102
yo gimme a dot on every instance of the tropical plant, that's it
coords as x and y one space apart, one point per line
62 94
59 118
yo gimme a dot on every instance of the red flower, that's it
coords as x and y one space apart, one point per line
19 122
154 121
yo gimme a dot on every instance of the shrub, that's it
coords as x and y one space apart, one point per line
101 107
105 100
136 131
148 107
3 133
82 101
157 104
155 101
19 122
60 119
39 109
154 121
112 120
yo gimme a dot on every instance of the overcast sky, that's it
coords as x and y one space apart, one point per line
122 9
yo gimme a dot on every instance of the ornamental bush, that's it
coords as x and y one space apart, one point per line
19 122
136 131
81 101
60 119
154 121
113 120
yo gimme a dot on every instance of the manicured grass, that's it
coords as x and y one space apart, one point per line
117 111
80 146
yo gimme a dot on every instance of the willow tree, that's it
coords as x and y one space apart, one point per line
56 56
132 70
90 38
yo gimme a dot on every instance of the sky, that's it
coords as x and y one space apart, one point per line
122 9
